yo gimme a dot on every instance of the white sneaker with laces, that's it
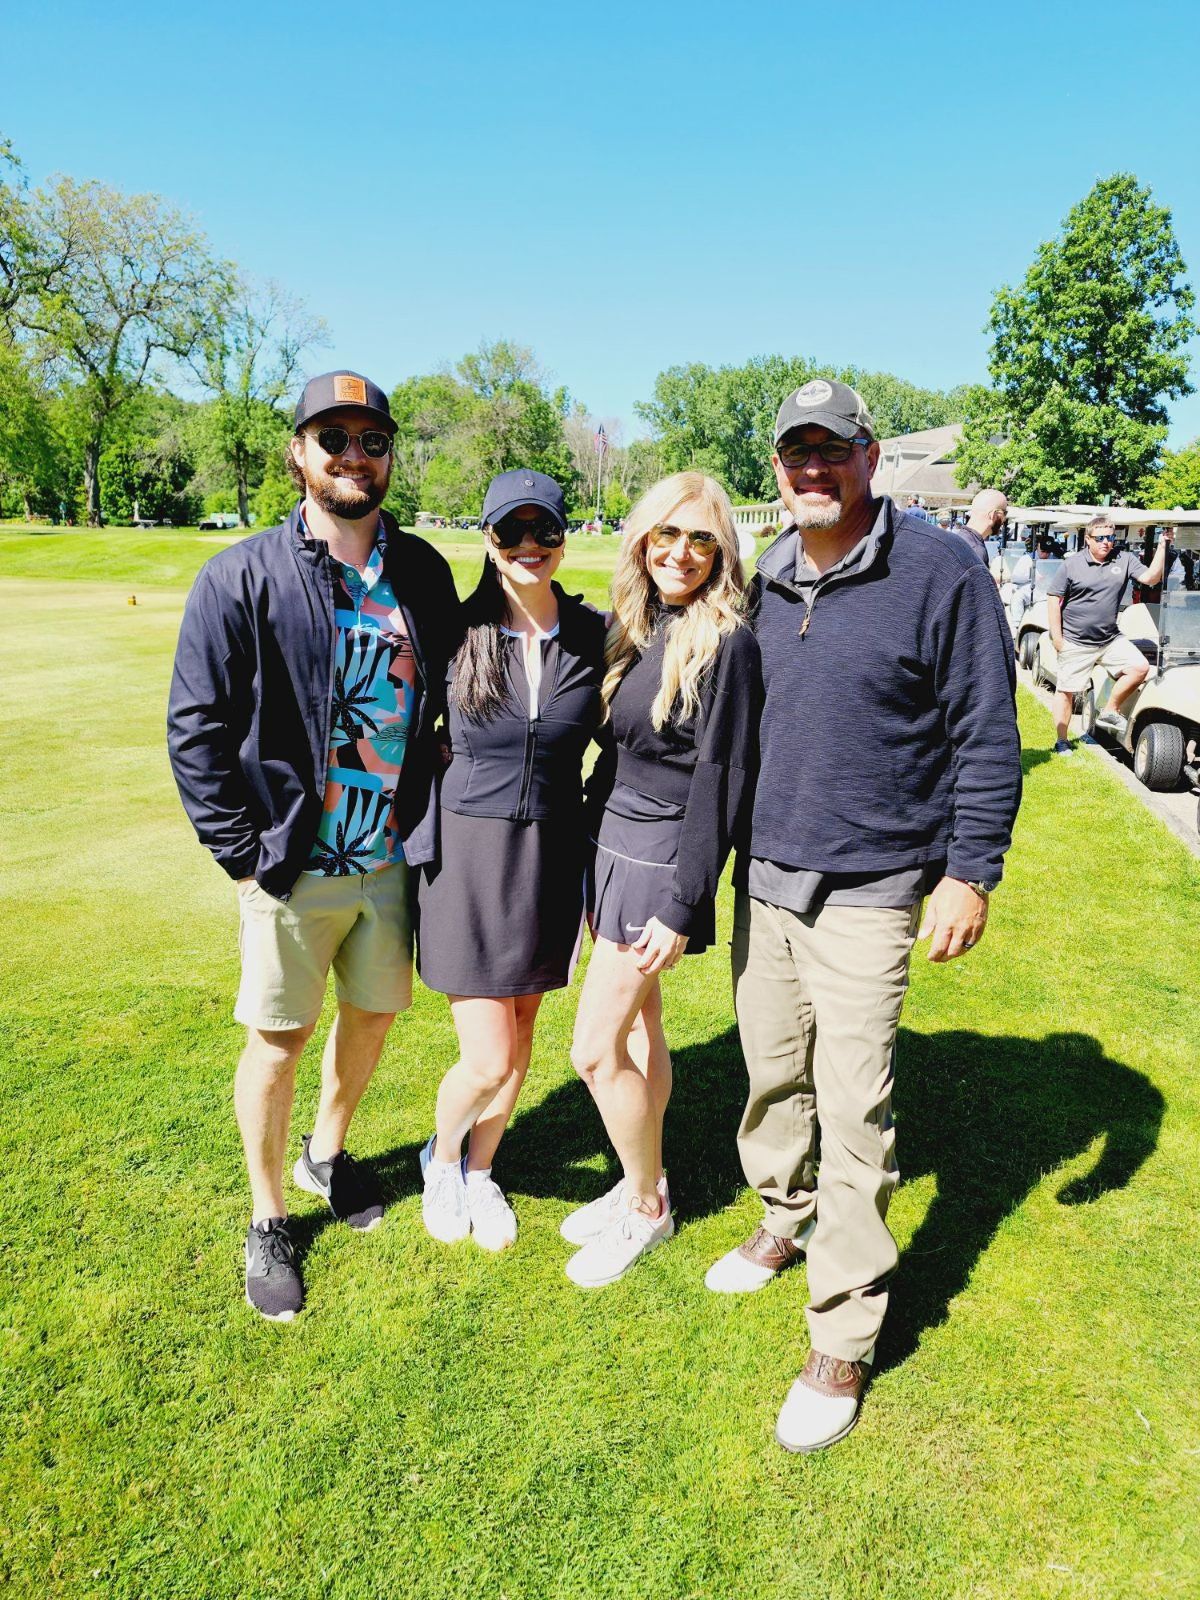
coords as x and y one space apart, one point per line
577 1227
444 1203
610 1254
493 1221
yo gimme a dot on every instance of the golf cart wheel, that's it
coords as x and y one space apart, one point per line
1158 755
1027 652
1085 704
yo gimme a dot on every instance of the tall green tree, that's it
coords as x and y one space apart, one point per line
248 360
1085 353
33 467
28 263
137 285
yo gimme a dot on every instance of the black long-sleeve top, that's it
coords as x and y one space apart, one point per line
705 763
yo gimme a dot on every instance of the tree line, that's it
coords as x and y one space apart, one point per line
142 375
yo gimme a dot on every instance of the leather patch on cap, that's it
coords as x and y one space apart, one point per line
350 391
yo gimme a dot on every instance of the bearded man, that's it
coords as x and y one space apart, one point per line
890 770
308 679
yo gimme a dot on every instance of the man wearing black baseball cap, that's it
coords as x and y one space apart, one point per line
890 769
308 679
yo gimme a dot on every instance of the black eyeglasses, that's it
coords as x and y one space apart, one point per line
834 451
663 534
335 441
508 533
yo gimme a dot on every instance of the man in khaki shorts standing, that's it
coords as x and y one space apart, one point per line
890 769
307 683
1082 606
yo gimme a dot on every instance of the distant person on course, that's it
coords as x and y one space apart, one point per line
984 521
890 769
307 682
1082 606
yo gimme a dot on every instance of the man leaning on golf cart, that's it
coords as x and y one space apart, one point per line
1082 606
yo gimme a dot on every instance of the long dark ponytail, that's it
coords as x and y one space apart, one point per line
481 663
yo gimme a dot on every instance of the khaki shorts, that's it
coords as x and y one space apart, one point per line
1075 661
359 925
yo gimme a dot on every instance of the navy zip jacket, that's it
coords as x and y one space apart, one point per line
248 718
889 734
527 768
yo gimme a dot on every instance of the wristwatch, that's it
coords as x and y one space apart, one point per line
982 887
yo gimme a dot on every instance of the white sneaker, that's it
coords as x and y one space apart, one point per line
610 1254
493 1221
812 1418
444 1204
577 1227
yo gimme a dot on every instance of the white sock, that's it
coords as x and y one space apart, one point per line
478 1175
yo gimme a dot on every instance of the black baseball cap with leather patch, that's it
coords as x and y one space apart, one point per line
333 391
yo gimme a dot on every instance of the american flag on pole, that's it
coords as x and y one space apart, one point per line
601 440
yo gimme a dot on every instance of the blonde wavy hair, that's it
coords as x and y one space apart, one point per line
695 632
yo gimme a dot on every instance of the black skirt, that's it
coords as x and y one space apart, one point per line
633 869
501 912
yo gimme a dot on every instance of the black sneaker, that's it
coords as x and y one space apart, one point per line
353 1196
273 1284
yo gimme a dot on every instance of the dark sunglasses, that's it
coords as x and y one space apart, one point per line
508 533
335 441
701 543
834 451
1103 538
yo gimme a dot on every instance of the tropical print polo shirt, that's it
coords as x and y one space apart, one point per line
373 684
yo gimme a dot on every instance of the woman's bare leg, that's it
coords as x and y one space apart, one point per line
493 1119
614 993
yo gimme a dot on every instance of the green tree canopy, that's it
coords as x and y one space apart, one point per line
137 284
721 419
1085 354
248 360
1177 481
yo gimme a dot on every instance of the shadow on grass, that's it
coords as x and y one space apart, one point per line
987 1117
1033 758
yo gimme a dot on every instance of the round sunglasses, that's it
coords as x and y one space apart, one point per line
699 541
508 533
335 441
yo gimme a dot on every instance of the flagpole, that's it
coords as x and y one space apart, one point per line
600 444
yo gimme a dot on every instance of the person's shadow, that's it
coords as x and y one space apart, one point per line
986 1116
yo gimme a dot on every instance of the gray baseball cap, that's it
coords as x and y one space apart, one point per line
825 403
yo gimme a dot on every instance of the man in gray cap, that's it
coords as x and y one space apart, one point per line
307 683
890 770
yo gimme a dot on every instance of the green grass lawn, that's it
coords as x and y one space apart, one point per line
441 1422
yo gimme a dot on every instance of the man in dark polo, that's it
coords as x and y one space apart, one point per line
307 683
1082 606
890 770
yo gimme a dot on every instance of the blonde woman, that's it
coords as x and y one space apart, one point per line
682 693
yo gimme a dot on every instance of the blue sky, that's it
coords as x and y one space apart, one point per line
628 186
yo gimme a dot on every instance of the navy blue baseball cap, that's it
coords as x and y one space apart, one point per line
333 390
522 487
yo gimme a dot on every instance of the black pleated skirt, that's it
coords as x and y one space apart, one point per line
633 868
501 912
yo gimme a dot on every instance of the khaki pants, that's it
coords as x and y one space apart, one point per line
818 1001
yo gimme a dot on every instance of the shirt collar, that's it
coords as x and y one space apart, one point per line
373 570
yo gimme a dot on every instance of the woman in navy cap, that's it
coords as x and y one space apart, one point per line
501 909
683 691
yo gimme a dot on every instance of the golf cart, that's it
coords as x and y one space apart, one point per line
1163 716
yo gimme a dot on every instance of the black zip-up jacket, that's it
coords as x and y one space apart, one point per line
248 717
527 768
705 763
889 732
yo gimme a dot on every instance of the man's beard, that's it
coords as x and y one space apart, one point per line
340 498
809 515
